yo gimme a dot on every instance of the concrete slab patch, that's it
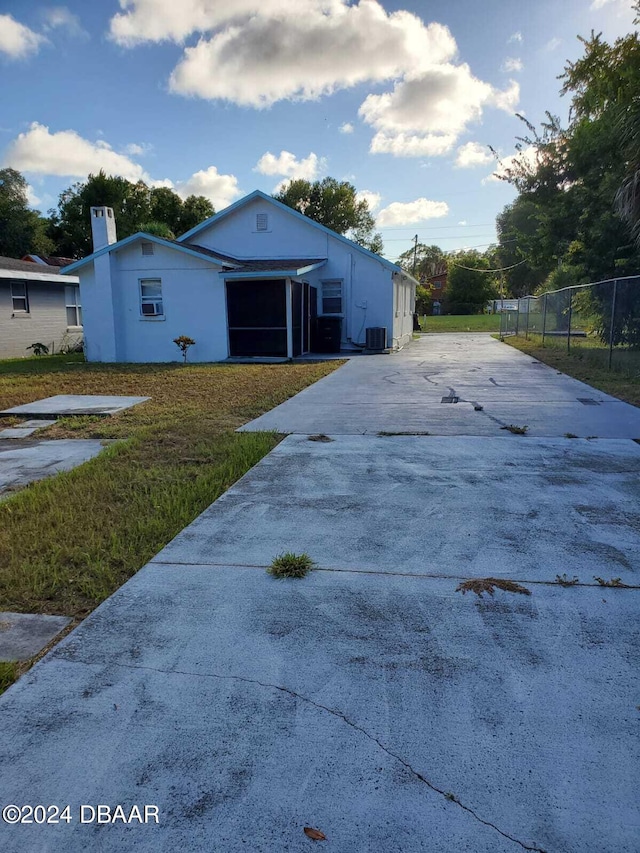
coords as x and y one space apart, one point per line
383 710
493 385
64 405
23 635
28 428
22 462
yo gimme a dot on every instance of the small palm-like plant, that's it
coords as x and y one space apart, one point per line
39 349
183 343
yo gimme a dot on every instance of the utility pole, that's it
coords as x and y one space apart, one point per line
415 252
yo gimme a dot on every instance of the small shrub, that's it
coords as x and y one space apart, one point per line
480 585
290 565
39 349
183 343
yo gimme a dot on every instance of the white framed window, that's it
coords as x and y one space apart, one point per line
151 297
147 247
19 297
72 304
332 297
262 221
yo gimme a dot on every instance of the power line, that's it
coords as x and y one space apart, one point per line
475 269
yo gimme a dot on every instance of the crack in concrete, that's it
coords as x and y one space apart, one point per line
382 572
447 795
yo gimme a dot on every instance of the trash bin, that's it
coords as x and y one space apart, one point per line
327 334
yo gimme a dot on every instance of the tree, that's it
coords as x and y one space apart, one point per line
468 288
136 207
22 231
335 205
428 260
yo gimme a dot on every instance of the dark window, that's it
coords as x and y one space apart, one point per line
332 297
19 297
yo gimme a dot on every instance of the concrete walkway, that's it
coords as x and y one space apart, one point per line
370 700
404 393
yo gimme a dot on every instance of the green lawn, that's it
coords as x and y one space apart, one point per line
462 323
68 542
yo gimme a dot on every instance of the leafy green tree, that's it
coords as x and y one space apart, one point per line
136 207
470 284
428 260
195 209
22 231
335 205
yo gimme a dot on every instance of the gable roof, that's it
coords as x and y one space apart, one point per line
19 269
258 194
195 251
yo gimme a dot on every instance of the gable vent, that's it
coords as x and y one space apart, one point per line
147 248
262 221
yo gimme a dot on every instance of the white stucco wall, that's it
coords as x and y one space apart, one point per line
193 302
404 301
367 283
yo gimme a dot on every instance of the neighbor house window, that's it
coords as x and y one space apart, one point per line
19 298
332 297
147 247
72 302
262 221
151 297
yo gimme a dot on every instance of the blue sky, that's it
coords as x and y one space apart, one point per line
400 98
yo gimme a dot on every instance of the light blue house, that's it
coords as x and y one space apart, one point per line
256 280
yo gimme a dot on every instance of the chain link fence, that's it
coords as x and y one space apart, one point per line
598 321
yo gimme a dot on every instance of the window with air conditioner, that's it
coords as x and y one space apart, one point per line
19 297
72 303
151 297
332 297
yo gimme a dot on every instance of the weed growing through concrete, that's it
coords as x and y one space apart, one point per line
480 585
614 582
570 435
384 432
516 430
564 580
290 565
320 437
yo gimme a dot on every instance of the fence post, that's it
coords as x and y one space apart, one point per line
544 316
517 319
526 331
613 319
569 330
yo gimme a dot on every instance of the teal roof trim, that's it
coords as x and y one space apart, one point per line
141 235
290 273
259 194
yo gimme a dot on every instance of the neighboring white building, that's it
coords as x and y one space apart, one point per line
37 305
250 281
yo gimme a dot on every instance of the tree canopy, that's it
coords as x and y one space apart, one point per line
156 210
579 199
335 205
22 231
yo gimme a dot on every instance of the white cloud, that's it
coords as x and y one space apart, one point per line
472 154
67 154
221 190
16 40
347 127
553 44
517 37
411 212
372 198
424 115
512 64
138 149
63 18
302 56
257 52
33 200
287 165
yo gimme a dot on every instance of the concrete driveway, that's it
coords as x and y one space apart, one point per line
404 393
370 700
